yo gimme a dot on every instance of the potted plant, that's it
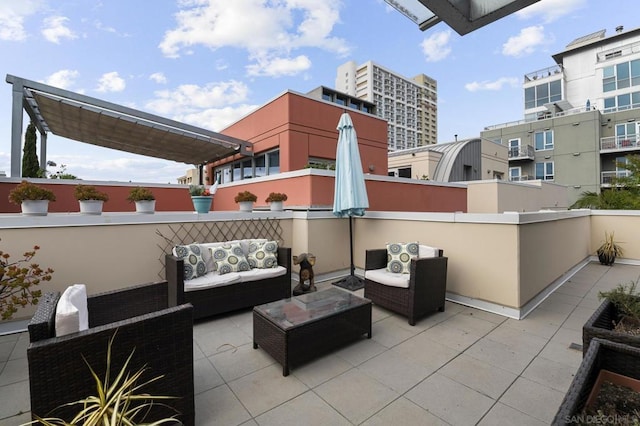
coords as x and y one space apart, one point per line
245 200
16 280
90 199
275 200
201 198
144 199
617 319
609 250
33 199
604 387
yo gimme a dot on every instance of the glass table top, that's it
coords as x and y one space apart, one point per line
309 307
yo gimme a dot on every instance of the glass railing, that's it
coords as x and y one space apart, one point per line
521 152
619 142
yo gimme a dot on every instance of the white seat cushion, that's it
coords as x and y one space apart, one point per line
260 274
212 279
385 277
72 314
427 251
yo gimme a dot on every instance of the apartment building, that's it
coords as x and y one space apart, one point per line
408 105
581 115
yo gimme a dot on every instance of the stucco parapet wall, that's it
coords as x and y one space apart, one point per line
516 218
52 220
615 212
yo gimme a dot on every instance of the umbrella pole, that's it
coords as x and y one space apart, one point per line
350 282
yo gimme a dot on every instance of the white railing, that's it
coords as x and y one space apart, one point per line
521 152
607 178
619 143
520 178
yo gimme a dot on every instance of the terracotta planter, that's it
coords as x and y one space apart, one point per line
616 379
91 206
146 206
35 207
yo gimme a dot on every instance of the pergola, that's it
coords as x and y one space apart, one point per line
97 122
463 16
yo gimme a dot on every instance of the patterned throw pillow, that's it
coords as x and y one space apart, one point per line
263 255
229 258
194 265
399 256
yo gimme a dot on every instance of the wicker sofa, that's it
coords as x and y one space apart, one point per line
142 318
413 295
214 294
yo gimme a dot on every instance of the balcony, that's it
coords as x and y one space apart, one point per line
522 153
521 178
619 143
607 178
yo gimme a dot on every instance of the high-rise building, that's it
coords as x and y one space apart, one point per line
581 115
408 105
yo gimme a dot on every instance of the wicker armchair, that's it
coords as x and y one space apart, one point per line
426 291
162 337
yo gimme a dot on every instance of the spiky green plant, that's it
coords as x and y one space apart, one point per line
116 402
625 299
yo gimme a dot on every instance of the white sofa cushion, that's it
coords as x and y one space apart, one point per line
260 274
72 314
427 251
385 277
212 279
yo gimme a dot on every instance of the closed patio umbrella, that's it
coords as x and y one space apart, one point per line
350 194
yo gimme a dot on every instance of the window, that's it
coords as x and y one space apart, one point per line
622 102
544 171
260 165
620 76
626 134
544 140
514 148
515 174
273 162
542 94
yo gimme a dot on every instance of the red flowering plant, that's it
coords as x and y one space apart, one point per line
16 280
199 191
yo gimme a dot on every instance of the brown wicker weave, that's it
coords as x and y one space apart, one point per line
345 319
427 286
162 337
601 355
226 298
601 324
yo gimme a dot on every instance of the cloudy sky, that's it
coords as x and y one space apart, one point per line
210 62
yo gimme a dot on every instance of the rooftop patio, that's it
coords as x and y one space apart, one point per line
462 366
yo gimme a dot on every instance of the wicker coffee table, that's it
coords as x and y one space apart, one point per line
296 330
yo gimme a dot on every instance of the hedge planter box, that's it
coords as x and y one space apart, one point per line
601 355
146 206
601 325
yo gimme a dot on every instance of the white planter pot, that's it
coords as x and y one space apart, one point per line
146 206
245 206
276 206
35 207
91 206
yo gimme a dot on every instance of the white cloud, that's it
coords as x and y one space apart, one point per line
276 67
213 106
12 17
63 79
55 28
111 82
436 47
524 43
493 85
272 29
551 10
158 77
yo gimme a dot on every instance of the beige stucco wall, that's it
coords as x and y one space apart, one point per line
502 259
494 160
422 163
498 196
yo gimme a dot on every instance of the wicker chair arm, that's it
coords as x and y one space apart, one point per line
174 273
284 257
42 324
428 275
375 259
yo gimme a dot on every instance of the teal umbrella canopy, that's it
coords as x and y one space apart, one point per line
350 193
